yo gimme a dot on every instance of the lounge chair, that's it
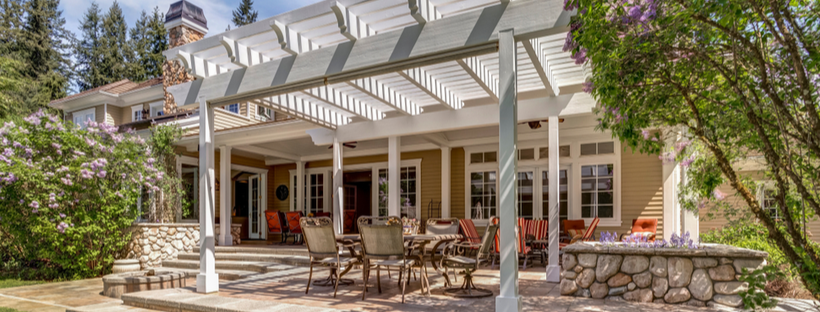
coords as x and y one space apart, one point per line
324 250
521 246
643 227
277 225
588 233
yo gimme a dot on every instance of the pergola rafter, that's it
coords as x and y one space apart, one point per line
541 64
432 87
386 95
304 109
481 75
345 102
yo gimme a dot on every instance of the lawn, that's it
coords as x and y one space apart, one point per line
8 310
7 282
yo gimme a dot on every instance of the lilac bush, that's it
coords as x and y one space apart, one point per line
641 241
69 194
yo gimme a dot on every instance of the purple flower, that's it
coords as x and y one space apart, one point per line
589 86
718 194
85 174
645 134
688 162
101 174
34 204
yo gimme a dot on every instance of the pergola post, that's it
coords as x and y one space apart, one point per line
508 299
207 281
300 186
553 271
445 182
225 237
393 171
338 188
671 207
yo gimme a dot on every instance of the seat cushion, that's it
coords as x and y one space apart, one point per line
394 263
459 260
331 261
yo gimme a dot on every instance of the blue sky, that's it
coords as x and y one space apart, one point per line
218 12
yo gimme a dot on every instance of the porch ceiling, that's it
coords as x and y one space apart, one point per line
349 61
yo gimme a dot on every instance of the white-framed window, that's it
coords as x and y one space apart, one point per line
483 194
483 157
233 108
82 117
767 195
526 194
598 148
408 190
598 191
137 113
156 108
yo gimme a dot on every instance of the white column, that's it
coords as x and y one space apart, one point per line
207 281
690 221
671 207
300 186
338 188
553 270
445 182
508 299
393 171
225 237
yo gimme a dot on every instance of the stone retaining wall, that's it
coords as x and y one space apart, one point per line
151 243
700 277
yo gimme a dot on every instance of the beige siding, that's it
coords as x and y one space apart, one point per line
457 183
114 116
641 190
99 113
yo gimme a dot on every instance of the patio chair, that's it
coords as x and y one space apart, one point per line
324 250
521 244
468 231
277 224
647 227
350 221
455 259
588 233
383 246
537 230
294 226
437 226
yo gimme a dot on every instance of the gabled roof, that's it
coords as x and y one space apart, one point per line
113 89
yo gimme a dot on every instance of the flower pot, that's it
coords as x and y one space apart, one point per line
125 265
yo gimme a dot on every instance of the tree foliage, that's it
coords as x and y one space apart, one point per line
244 14
736 80
68 195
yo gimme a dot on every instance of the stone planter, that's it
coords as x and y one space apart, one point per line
698 277
125 265
114 285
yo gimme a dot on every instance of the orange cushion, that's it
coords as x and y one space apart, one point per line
575 232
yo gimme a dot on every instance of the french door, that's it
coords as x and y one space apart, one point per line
563 192
534 204
255 207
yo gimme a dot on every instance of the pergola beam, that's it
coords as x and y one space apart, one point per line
267 152
481 75
304 110
541 64
430 85
386 95
345 102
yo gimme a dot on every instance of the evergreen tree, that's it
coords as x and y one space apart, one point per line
158 38
140 45
89 50
244 14
11 25
116 51
44 46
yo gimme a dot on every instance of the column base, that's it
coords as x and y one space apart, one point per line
508 304
207 283
226 241
553 273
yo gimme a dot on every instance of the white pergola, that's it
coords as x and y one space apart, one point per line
374 69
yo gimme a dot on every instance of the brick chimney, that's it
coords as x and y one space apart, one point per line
185 23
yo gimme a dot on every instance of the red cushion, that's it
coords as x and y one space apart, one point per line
276 222
468 231
591 229
293 221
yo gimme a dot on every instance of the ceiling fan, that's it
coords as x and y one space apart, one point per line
346 144
537 124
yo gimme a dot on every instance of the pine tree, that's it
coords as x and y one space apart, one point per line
140 45
244 14
89 50
11 25
158 37
44 45
116 51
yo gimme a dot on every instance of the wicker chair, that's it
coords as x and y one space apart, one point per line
324 250
454 259
383 246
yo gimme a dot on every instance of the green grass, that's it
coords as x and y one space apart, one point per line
8 310
15 282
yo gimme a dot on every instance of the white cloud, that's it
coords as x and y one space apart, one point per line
217 12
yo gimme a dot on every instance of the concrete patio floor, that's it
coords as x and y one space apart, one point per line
285 290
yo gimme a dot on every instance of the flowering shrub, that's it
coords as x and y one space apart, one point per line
68 194
641 241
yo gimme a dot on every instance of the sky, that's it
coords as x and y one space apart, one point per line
217 12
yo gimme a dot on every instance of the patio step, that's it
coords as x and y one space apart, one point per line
247 266
296 250
294 260
224 275
116 306
184 300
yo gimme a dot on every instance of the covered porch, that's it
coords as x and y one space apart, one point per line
466 110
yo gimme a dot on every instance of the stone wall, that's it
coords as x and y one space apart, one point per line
151 243
700 277
173 73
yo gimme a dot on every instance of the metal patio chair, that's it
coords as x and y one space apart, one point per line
277 224
454 258
323 250
383 246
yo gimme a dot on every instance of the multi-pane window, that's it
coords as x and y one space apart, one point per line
485 157
526 154
602 148
233 108
770 203
483 194
544 152
408 189
598 191
316 194
190 199
563 199
525 194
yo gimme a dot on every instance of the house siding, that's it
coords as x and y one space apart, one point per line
641 190
99 114
114 116
457 183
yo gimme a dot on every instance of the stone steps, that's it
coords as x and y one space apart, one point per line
296 250
279 259
271 265
117 306
185 300
224 275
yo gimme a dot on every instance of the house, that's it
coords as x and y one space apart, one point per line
385 107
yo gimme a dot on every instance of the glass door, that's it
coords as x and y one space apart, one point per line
563 199
526 192
254 211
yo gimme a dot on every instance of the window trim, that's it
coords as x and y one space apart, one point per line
614 159
152 106
138 108
88 111
761 194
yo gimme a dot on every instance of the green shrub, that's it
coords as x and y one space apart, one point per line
68 194
751 236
